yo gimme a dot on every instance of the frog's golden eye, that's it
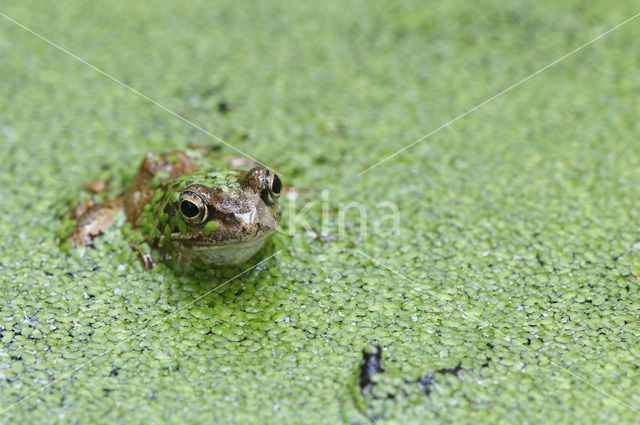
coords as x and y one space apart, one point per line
273 188
192 208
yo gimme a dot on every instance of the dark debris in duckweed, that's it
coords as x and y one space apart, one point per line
426 381
371 365
524 213
377 388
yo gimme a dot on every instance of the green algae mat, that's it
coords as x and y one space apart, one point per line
495 264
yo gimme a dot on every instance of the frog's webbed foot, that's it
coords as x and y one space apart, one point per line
144 253
92 220
147 261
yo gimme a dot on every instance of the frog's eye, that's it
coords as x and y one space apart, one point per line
273 187
192 208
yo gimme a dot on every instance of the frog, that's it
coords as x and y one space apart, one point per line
182 206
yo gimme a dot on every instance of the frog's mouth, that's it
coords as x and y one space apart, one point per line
200 243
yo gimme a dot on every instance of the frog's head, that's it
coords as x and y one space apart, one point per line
227 220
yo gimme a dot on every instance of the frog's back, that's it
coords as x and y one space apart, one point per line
155 170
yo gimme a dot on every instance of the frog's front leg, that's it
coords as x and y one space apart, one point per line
93 220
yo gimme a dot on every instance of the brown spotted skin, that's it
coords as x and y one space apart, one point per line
141 190
93 220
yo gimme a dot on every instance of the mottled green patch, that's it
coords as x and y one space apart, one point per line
157 195
174 197
160 177
179 223
206 177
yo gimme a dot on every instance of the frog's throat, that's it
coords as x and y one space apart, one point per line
218 255
199 242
